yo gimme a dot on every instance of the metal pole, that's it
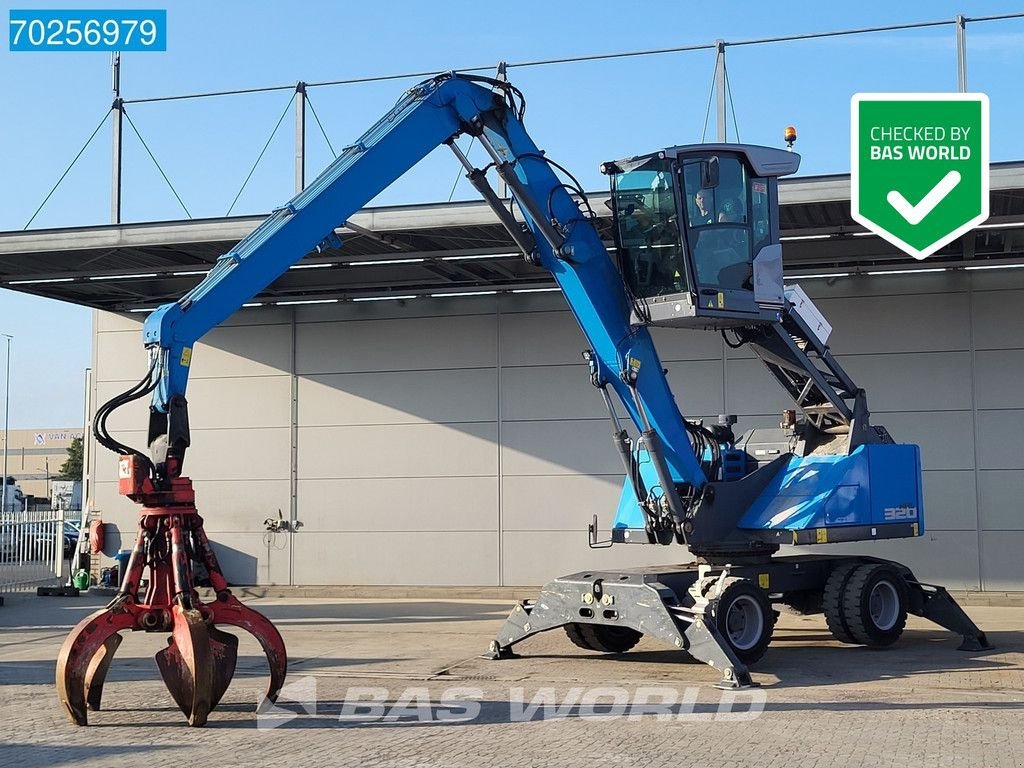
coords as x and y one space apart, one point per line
7 421
117 108
83 514
86 439
723 128
300 136
961 53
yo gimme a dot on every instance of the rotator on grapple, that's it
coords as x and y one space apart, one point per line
696 246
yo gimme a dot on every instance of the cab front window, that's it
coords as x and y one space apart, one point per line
647 229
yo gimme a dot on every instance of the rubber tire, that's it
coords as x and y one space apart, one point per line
733 588
602 638
856 607
832 601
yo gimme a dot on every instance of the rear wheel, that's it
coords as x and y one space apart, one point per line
832 600
745 619
875 604
602 637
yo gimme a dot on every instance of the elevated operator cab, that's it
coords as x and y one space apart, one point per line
697 233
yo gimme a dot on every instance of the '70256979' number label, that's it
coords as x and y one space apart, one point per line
83 30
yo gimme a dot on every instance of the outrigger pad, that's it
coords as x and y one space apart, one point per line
938 605
707 645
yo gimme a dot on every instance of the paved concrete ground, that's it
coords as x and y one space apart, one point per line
921 703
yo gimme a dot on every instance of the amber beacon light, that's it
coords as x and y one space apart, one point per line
789 135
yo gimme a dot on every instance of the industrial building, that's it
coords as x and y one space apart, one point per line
35 456
414 405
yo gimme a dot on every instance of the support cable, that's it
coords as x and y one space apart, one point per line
252 170
67 170
459 174
732 106
592 57
153 158
316 117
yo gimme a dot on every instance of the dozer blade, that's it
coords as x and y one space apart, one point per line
186 665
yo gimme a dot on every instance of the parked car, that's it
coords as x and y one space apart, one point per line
71 532
35 541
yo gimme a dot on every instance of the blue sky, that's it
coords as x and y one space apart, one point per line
581 113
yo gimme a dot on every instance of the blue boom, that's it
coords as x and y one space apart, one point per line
565 243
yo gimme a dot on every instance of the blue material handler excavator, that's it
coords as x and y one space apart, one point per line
696 245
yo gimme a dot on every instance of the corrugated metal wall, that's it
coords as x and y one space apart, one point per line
458 441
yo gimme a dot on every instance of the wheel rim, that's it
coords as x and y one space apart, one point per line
744 622
884 605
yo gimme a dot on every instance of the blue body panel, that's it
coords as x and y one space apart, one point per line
875 485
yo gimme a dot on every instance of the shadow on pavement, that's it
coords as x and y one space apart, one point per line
384 612
33 755
59 613
339 714
135 668
813 659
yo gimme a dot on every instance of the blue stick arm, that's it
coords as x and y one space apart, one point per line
566 243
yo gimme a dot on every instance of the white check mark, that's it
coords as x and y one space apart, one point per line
916 213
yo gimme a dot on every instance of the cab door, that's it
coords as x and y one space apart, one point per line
727 224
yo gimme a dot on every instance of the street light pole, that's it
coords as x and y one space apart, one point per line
7 421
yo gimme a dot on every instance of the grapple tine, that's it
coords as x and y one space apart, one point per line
224 647
78 652
96 674
186 665
171 665
228 610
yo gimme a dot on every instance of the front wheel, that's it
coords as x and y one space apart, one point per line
745 619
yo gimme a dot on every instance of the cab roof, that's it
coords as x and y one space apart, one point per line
766 161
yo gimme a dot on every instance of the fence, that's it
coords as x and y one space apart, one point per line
33 548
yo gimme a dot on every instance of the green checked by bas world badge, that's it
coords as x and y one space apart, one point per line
919 166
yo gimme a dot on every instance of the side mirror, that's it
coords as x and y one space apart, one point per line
709 173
